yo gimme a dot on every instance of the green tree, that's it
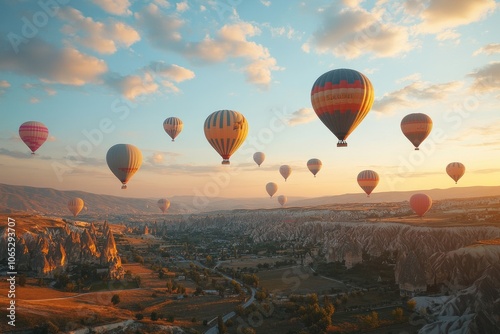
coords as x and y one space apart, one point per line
154 316
115 299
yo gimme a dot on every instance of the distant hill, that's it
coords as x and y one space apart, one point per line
52 201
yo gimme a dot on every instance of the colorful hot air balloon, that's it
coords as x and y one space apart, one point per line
124 160
75 205
173 126
271 188
33 134
416 127
420 203
455 170
285 171
259 157
282 199
163 204
226 130
342 98
368 180
314 166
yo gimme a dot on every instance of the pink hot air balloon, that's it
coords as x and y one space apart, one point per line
33 134
420 203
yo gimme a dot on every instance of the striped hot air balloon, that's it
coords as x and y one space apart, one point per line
271 188
75 205
173 126
282 199
416 127
226 130
314 165
33 134
342 98
285 171
455 170
420 203
259 157
368 180
163 204
124 160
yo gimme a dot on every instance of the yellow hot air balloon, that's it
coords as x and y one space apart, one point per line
259 157
416 127
173 126
282 199
455 170
285 171
75 205
124 160
163 204
368 180
314 166
271 188
226 130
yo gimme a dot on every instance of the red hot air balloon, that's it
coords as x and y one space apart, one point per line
368 180
33 134
455 170
416 127
420 203
342 98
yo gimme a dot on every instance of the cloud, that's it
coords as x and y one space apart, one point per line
34 100
301 116
352 32
156 158
412 94
20 155
265 3
182 6
448 34
132 86
488 49
162 30
98 36
162 3
40 86
115 7
486 78
4 84
172 72
66 66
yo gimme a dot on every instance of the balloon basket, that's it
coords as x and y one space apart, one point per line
342 144
124 186
225 162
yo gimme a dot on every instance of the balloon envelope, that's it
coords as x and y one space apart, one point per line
173 126
285 171
259 157
75 205
420 203
282 199
455 170
271 188
416 127
314 165
342 98
33 134
226 130
124 160
163 204
368 180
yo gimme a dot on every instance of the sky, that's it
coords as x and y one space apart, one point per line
102 72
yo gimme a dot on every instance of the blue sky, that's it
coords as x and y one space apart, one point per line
98 73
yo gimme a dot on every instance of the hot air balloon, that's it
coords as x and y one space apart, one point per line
342 98
173 126
314 166
285 171
420 203
226 130
259 157
124 160
455 170
416 127
282 200
368 180
75 205
271 188
163 204
33 134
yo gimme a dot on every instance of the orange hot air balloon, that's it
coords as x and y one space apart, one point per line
342 98
271 188
173 126
163 204
314 166
259 157
75 205
226 130
455 170
368 180
33 134
420 203
282 199
416 127
124 160
285 171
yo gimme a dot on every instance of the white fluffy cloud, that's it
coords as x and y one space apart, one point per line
488 49
301 116
162 30
486 78
182 6
115 7
132 86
